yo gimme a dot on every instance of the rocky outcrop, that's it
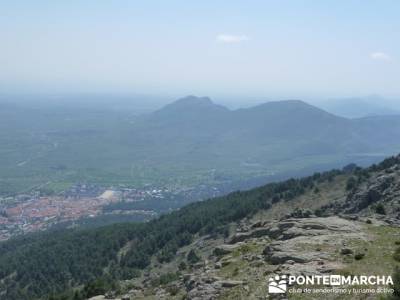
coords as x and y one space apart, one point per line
99 297
320 241
294 243
294 227
226 249
382 188
255 233
200 286
297 246
278 255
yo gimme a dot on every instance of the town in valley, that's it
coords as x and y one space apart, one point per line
33 211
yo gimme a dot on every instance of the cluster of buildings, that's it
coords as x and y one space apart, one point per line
39 213
134 195
32 212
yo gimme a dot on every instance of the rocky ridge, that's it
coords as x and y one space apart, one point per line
350 235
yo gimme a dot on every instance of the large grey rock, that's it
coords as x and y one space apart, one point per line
295 227
255 233
299 240
281 257
99 297
226 249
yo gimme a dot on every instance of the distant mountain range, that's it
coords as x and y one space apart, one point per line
273 136
190 141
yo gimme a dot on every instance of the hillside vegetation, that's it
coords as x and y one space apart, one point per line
37 265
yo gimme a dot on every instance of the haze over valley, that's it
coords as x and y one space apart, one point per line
58 160
192 140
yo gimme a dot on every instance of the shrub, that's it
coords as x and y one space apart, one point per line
380 209
192 257
351 183
97 287
276 199
173 290
168 277
359 256
164 279
319 212
182 266
346 251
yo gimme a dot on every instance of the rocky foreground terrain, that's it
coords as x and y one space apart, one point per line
347 226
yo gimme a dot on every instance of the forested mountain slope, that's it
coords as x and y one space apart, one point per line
37 265
192 141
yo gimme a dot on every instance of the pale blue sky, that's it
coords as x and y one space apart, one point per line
242 48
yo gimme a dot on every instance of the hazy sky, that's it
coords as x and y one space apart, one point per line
254 48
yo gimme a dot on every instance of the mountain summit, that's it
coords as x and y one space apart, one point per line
191 105
260 139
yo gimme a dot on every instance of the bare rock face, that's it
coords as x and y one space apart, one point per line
199 286
226 249
363 199
291 228
383 189
255 233
296 244
99 297
277 255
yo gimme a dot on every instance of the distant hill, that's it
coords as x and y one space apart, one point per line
373 105
261 138
190 141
